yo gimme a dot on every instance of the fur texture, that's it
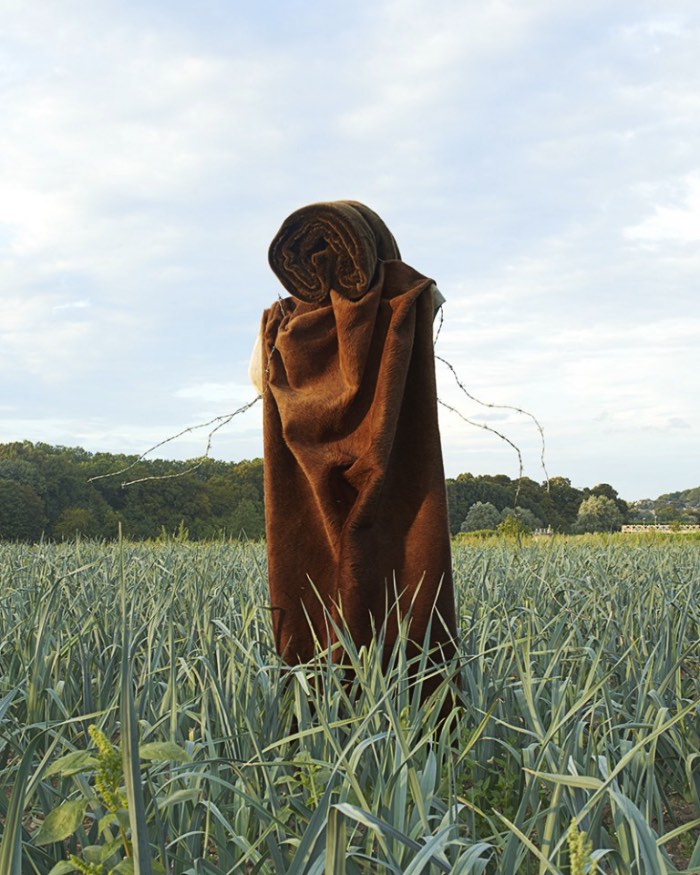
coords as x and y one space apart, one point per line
355 502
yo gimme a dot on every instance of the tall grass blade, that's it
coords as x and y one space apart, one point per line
130 747
11 845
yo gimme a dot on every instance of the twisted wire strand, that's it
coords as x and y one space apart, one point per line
482 425
218 421
221 422
520 410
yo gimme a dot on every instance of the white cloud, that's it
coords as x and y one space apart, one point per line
216 392
679 223
673 333
54 341
105 149
540 160
72 305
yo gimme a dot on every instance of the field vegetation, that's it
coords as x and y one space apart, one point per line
56 493
147 725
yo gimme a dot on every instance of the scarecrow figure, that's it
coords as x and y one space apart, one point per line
355 501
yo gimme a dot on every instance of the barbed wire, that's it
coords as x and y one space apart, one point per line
492 406
220 422
495 431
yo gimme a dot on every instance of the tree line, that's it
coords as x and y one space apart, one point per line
486 501
49 491
671 507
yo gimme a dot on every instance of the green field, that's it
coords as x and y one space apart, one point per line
574 747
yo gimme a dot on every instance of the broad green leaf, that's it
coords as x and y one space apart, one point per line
6 701
548 864
695 859
107 820
164 750
126 867
110 848
63 867
92 853
73 764
430 851
61 822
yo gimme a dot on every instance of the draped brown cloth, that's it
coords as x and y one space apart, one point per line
355 502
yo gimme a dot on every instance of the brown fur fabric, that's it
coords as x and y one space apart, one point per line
356 510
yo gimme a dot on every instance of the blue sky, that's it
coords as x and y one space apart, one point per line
539 160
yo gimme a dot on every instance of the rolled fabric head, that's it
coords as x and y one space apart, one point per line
326 246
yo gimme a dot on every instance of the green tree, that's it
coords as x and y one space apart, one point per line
22 514
609 492
466 490
598 513
22 471
564 501
462 492
236 497
532 496
481 515
526 518
159 504
77 521
247 520
666 513
512 527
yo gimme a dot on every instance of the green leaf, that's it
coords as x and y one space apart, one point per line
585 782
336 843
92 853
164 750
383 828
108 850
73 764
140 848
63 867
126 867
61 822
545 863
122 816
429 852
11 844
106 821
178 796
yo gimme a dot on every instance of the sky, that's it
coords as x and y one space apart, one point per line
539 159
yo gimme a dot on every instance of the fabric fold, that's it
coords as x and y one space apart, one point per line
330 245
356 509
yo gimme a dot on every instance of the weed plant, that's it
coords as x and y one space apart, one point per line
142 700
